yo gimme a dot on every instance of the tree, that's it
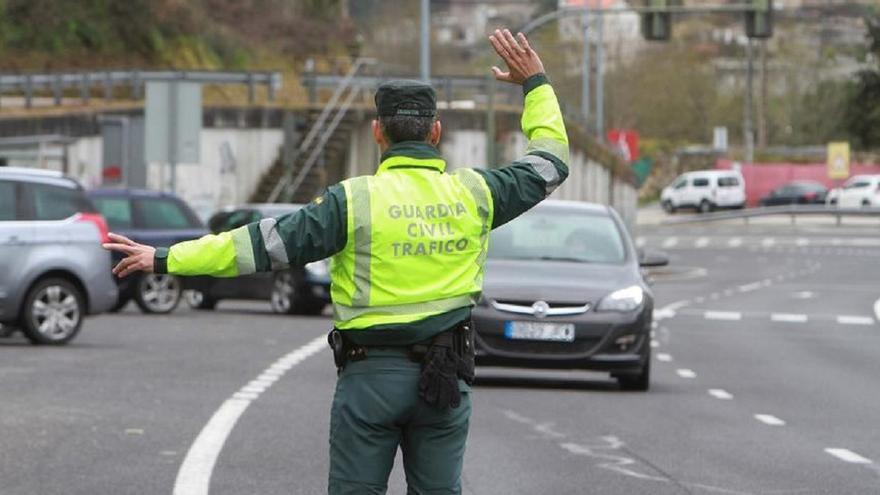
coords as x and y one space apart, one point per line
863 111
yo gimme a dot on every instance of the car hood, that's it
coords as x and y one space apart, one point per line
555 281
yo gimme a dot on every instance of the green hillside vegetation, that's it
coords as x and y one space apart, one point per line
230 34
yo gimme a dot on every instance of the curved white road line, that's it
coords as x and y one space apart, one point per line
877 309
194 476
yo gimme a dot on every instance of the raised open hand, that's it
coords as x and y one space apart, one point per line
522 62
138 257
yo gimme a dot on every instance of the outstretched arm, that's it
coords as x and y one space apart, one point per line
528 180
314 232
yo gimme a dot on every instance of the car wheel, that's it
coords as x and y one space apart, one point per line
196 299
53 312
640 382
705 206
158 293
283 296
668 207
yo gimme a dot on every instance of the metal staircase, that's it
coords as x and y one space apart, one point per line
304 175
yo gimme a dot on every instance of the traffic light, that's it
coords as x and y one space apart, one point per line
759 20
657 25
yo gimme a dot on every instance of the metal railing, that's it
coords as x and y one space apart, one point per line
346 83
58 82
793 211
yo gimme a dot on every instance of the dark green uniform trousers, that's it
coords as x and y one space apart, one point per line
377 409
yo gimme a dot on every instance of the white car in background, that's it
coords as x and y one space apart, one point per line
860 190
705 190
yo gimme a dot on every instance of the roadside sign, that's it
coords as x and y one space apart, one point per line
173 117
838 160
627 143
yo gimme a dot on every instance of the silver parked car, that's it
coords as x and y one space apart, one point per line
53 270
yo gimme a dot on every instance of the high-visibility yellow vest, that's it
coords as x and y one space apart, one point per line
417 242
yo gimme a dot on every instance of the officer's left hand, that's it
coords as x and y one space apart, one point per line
138 257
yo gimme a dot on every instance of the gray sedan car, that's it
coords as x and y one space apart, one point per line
563 289
53 270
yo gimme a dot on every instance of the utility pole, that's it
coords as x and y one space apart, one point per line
600 79
425 52
748 127
585 80
762 96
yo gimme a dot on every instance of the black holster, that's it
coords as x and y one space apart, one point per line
344 350
448 357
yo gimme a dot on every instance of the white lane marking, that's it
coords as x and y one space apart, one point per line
750 287
686 373
767 282
655 344
194 476
855 320
670 242
720 394
723 315
803 295
768 242
735 242
768 419
664 357
788 317
640 242
702 242
836 242
877 309
802 242
848 456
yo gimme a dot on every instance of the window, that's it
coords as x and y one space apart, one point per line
680 184
224 222
554 235
57 203
8 197
858 184
117 211
701 182
161 213
728 182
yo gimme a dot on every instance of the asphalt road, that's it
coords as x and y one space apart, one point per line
765 382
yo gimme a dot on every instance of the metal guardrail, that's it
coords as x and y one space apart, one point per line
58 82
791 210
449 88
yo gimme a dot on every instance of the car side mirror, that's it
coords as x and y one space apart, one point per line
648 259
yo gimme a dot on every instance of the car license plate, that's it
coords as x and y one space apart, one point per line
532 330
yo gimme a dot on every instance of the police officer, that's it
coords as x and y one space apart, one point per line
408 246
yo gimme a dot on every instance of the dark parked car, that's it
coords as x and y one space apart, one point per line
157 219
304 290
53 270
796 193
564 289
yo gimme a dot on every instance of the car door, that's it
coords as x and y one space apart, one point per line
680 191
13 250
699 190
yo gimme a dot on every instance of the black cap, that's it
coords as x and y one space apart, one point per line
406 97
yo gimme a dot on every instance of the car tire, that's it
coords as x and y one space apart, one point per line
121 303
668 207
53 312
197 299
640 382
284 294
157 293
705 206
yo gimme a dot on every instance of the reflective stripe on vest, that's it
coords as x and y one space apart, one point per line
426 253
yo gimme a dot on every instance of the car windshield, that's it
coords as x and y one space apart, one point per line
559 235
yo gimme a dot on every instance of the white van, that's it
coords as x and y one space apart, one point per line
858 191
705 190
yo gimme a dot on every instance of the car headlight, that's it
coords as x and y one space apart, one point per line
622 300
317 268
